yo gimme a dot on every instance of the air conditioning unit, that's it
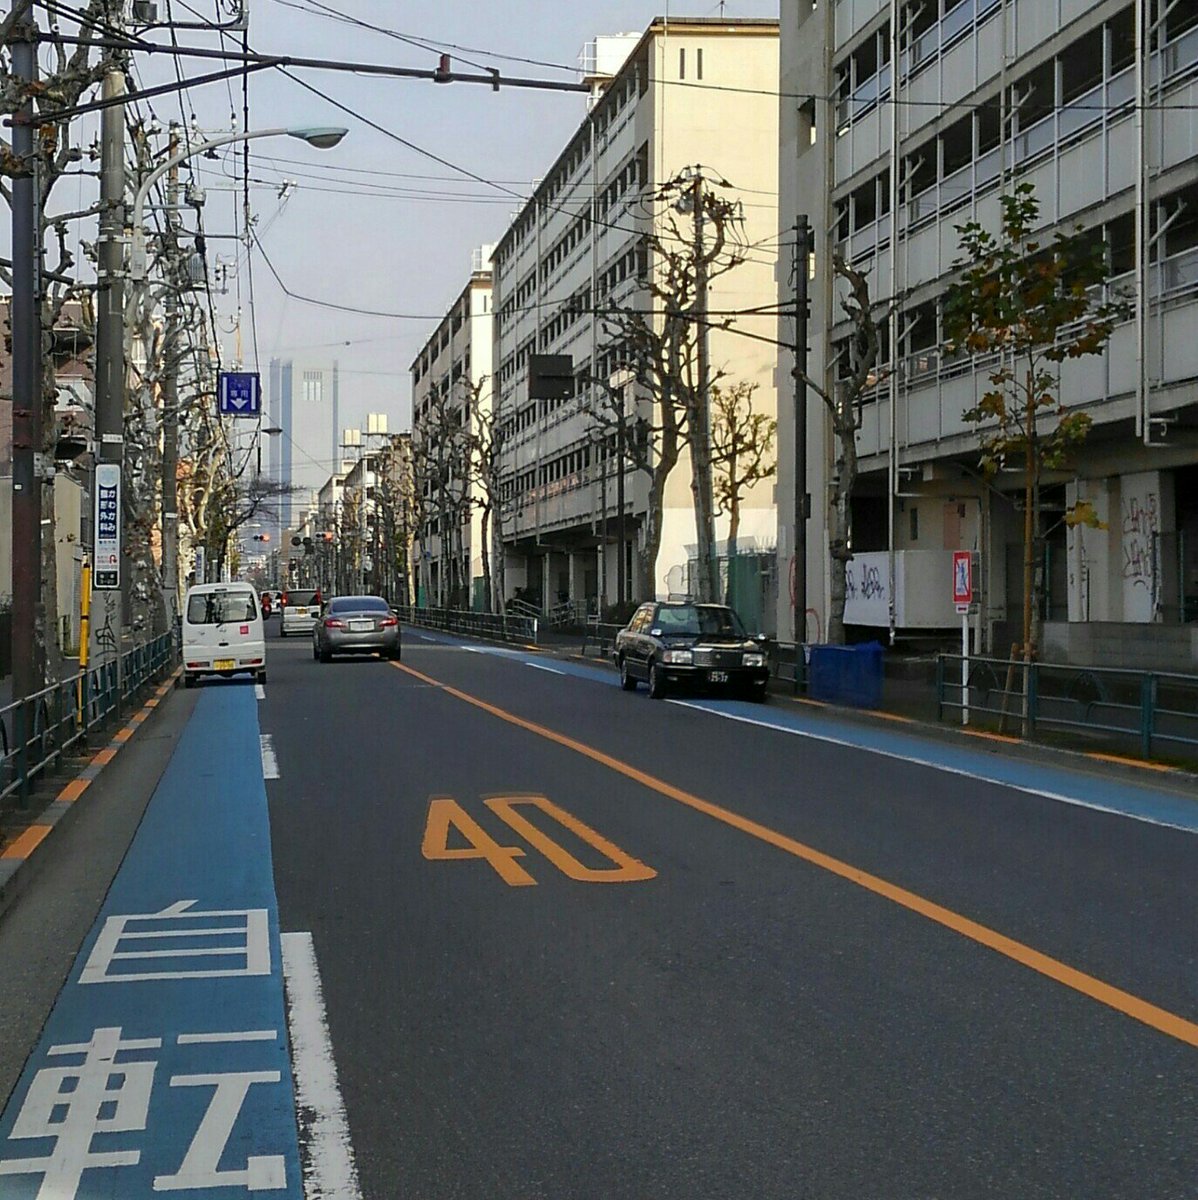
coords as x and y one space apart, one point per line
145 12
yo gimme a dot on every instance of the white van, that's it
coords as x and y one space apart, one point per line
222 632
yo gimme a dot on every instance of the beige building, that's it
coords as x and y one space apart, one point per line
1090 101
693 94
451 394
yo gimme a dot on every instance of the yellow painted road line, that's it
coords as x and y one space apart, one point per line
24 846
1087 985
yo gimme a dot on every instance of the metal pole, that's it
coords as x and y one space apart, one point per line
621 528
110 323
170 401
802 313
27 612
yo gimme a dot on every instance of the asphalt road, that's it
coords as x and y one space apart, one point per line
576 943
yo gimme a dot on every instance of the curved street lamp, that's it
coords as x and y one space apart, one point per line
321 137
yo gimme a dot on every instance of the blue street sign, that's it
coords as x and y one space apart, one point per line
239 394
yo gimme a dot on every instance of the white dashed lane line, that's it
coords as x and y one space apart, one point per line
270 764
542 667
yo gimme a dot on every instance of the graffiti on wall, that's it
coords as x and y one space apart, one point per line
1141 523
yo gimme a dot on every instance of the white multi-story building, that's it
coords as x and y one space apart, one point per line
451 386
693 93
1094 102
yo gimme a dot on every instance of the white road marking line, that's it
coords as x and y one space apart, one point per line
245 1035
259 691
330 1172
1075 801
541 667
270 764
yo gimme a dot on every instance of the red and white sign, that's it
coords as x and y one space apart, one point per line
962 579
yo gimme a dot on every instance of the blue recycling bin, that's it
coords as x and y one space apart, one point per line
849 675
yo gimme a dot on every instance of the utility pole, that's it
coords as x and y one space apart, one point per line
28 614
621 529
170 397
701 435
110 351
802 313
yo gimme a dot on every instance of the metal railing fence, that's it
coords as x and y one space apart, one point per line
504 627
36 733
1156 709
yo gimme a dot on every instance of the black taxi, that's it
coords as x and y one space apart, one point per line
667 644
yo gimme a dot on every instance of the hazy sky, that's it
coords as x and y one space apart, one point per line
373 224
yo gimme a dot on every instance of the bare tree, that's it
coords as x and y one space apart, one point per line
665 349
858 374
488 439
75 70
742 443
441 467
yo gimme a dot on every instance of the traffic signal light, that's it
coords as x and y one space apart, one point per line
327 535
262 537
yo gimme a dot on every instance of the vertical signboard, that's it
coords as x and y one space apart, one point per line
107 573
962 580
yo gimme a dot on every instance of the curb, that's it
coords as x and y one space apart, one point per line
23 849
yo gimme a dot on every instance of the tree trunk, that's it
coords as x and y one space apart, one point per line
733 531
484 532
839 526
651 542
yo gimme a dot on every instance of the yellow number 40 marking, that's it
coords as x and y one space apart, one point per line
445 813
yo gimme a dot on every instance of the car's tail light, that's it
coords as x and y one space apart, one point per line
333 623
390 622
283 598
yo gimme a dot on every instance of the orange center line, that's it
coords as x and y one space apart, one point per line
1123 1002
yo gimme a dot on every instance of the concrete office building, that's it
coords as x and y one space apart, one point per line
453 366
902 120
304 401
685 93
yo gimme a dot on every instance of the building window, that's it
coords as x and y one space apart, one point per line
914 523
681 64
698 64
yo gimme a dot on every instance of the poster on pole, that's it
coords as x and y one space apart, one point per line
106 575
962 580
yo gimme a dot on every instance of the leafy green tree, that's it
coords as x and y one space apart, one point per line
1029 304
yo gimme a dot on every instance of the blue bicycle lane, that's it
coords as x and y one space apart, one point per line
164 1065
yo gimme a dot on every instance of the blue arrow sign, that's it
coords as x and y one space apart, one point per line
239 394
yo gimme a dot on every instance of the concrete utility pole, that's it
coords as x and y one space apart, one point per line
802 313
28 614
701 436
170 397
621 528
110 342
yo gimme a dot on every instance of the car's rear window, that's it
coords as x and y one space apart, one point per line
699 619
215 608
301 598
359 604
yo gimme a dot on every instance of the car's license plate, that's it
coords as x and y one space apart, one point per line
301 612
718 676
361 626
223 664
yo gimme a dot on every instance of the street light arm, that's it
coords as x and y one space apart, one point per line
320 138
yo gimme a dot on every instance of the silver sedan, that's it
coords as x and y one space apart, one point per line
356 625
